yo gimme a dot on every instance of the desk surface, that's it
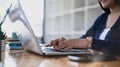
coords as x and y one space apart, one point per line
20 58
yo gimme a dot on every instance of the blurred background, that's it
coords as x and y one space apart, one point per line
69 18
51 19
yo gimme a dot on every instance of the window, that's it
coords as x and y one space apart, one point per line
69 18
34 10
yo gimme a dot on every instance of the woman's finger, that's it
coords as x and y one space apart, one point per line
61 45
61 39
57 41
68 48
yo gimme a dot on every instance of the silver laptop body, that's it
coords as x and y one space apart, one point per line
28 38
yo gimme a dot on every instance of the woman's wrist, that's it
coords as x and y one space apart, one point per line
90 40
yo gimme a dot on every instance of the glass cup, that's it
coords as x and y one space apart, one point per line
14 35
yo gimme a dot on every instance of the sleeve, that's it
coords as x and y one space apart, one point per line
110 46
92 30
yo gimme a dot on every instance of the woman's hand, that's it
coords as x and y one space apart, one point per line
56 42
64 44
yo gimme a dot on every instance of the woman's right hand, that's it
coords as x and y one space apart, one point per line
56 42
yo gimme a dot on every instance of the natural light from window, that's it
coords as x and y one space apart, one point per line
33 10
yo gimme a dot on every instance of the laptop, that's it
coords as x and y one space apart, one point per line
28 39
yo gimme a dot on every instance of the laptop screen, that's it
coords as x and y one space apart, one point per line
23 28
